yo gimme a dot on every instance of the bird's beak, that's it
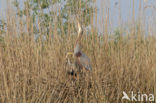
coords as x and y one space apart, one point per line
69 53
79 25
79 28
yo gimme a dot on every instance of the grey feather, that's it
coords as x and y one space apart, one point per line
85 62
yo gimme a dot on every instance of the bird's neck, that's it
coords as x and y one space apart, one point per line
77 50
78 40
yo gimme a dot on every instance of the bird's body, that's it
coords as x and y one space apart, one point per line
85 62
82 60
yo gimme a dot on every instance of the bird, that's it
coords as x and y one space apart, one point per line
82 61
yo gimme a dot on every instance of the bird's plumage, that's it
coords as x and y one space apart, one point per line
85 62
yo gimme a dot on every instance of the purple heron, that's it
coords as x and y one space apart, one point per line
81 60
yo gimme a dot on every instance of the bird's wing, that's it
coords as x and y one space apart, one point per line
85 62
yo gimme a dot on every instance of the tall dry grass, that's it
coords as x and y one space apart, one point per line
34 71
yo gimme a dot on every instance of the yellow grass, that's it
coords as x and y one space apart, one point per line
36 71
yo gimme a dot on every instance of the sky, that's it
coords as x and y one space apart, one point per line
2 8
119 11
122 11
